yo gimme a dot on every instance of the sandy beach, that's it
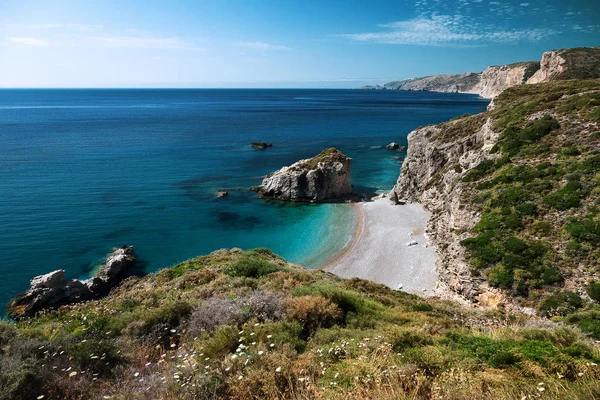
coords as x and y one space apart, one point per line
380 250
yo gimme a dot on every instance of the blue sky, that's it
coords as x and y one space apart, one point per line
276 43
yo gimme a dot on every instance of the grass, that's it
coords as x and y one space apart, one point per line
200 331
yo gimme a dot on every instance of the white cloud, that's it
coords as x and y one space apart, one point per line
29 41
133 42
260 46
444 30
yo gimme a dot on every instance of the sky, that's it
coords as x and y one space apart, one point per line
276 43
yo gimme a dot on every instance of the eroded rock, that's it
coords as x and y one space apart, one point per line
52 290
321 178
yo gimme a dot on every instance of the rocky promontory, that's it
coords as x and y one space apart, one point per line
564 64
52 290
321 178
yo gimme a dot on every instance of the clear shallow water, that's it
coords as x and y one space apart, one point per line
82 171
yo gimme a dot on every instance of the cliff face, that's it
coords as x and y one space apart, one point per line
431 175
513 193
577 63
461 83
495 80
323 177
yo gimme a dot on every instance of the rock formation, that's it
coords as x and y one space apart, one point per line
427 179
393 146
494 80
577 63
53 290
261 145
462 83
321 178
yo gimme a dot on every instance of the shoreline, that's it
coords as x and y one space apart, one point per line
382 251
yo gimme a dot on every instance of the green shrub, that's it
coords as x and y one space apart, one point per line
587 321
560 304
479 171
570 151
500 276
251 267
565 198
99 356
593 290
528 209
586 230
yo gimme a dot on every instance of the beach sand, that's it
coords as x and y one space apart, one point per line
380 252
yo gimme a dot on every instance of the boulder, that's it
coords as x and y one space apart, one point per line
393 146
324 177
261 145
223 193
117 262
52 290
50 280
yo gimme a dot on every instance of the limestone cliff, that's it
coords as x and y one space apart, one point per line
458 83
436 158
577 63
513 194
321 178
494 80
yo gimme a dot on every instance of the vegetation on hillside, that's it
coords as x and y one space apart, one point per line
539 198
248 325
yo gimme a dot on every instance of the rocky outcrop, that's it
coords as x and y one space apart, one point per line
431 176
261 145
459 83
494 80
577 63
321 178
52 290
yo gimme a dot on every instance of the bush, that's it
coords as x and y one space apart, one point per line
587 321
593 290
479 171
565 198
215 312
586 230
560 304
312 312
251 267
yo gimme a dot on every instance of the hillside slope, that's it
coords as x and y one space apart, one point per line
515 197
247 325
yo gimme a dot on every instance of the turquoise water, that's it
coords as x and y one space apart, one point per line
82 171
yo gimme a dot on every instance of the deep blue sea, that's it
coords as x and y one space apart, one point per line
83 171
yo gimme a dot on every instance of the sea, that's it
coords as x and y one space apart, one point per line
85 170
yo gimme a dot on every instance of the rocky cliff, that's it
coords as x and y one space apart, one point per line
494 80
514 193
459 83
436 158
577 63
321 178
53 290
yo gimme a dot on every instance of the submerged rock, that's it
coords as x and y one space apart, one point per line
53 290
223 193
261 145
323 177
